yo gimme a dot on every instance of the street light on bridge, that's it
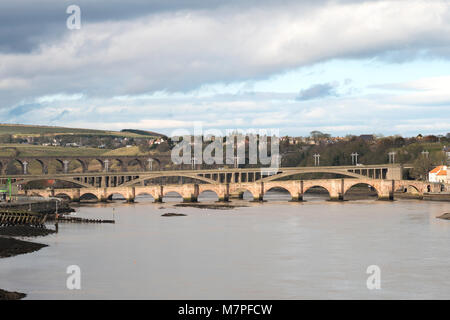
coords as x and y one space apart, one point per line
316 159
25 167
150 163
391 157
355 158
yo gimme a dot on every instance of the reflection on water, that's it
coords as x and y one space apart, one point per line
276 249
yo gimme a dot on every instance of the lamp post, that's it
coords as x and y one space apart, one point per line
355 158
316 159
150 164
66 166
391 157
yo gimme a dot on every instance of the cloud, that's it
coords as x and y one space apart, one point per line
147 62
22 109
182 49
317 91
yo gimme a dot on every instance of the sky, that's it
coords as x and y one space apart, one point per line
341 67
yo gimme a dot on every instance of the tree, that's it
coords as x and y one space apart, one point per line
421 167
317 135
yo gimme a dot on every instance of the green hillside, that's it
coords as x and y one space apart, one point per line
21 130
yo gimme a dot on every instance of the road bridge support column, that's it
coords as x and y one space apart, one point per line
102 195
259 193
224 193
159 194
76 195
394 173
131 194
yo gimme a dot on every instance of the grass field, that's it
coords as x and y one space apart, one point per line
19 130
26 150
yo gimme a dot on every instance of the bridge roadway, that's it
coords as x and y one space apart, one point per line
212 176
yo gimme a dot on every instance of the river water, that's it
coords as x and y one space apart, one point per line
273 250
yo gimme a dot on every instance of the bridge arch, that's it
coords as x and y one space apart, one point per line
110 196
318 170
116 165
203 195
242 190
171 194
55 166
407 188
14 166
270 193
23 182
309 190
351 186
146 177
136 162
72 165
88 196
146 193
35 166
93 164
63 195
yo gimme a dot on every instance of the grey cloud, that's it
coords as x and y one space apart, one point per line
25 24
317 91
22 109
136 47
60 115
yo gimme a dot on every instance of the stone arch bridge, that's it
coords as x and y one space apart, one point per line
145 163
337 188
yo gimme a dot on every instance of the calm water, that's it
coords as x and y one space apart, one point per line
280 250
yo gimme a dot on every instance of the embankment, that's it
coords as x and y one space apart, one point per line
39 206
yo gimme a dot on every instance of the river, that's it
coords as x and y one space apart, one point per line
274 250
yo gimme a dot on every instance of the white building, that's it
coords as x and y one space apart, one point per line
439 174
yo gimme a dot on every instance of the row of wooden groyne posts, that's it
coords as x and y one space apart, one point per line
12 218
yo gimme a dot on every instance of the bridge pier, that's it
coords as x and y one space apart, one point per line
297 198
237 195
190 199
224 199
258 198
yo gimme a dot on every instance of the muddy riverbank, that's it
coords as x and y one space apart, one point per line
38 206
10 247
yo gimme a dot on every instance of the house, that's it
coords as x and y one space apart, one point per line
367 137
439 174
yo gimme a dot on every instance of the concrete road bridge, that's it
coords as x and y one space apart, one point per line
105 178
